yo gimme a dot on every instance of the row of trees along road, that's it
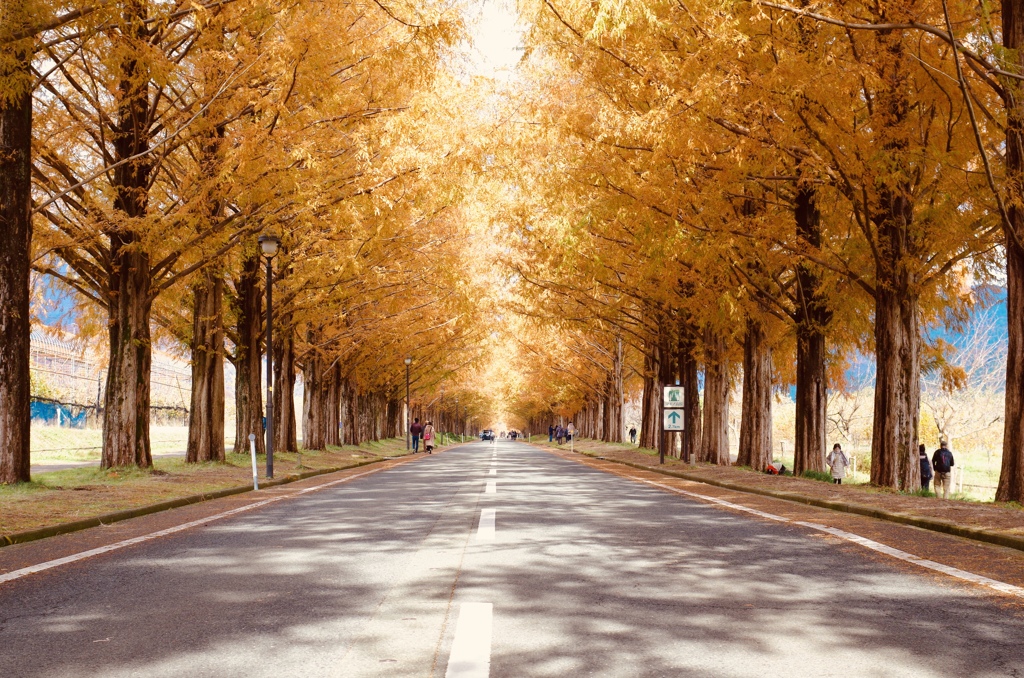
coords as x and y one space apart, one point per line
145 145
765 185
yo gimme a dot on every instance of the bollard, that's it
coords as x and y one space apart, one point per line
252 449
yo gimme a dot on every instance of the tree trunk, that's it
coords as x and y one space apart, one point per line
247 359
1011 475
650 426
755 448
812 317
897 332
313 406
126 416
332 403
206 414
616 426
15 256
352 432
285 437
689 379
714 444
897 391
126 406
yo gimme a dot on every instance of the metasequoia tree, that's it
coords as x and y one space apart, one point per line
118 116
893 223
16 233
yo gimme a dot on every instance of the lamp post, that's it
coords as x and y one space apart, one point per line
457 420
408 411
269 244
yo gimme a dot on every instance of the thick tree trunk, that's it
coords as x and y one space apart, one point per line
393 418
126 406
313 405
650 426
206 414
689 378
285 436
249 411
812 318
352 430
1011 475
897 391
16 236
897 331
126 415
714 444
614 424
332 413
755 448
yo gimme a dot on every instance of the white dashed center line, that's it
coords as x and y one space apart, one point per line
492 487
486 530
493 472
471 649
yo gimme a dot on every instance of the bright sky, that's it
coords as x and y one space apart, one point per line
497 38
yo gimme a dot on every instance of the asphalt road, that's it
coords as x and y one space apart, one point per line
556 569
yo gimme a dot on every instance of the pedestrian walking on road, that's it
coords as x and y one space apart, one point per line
838 462
632 435
926 467
942 462
551 433
428 437
416 430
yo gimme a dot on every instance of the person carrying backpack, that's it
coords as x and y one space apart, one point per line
926 467
942 462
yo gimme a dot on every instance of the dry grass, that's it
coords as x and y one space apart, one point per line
75 494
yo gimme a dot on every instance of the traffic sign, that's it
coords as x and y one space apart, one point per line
673 420
674 397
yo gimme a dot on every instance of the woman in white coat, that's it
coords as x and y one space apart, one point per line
838 462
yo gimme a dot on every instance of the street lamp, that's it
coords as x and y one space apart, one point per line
408 410
457 420
269 244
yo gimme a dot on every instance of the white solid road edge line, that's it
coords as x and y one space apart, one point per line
32 569
1002 587
485 532
471 648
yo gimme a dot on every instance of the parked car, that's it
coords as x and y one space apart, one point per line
487 434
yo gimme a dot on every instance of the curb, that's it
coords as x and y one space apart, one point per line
933 524
128 514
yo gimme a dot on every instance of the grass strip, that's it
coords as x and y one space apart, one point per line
118 516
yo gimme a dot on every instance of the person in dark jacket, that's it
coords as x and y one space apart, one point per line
415 431
551 433
926 467
942 462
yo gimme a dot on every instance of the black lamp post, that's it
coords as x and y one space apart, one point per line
408 410
269 244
